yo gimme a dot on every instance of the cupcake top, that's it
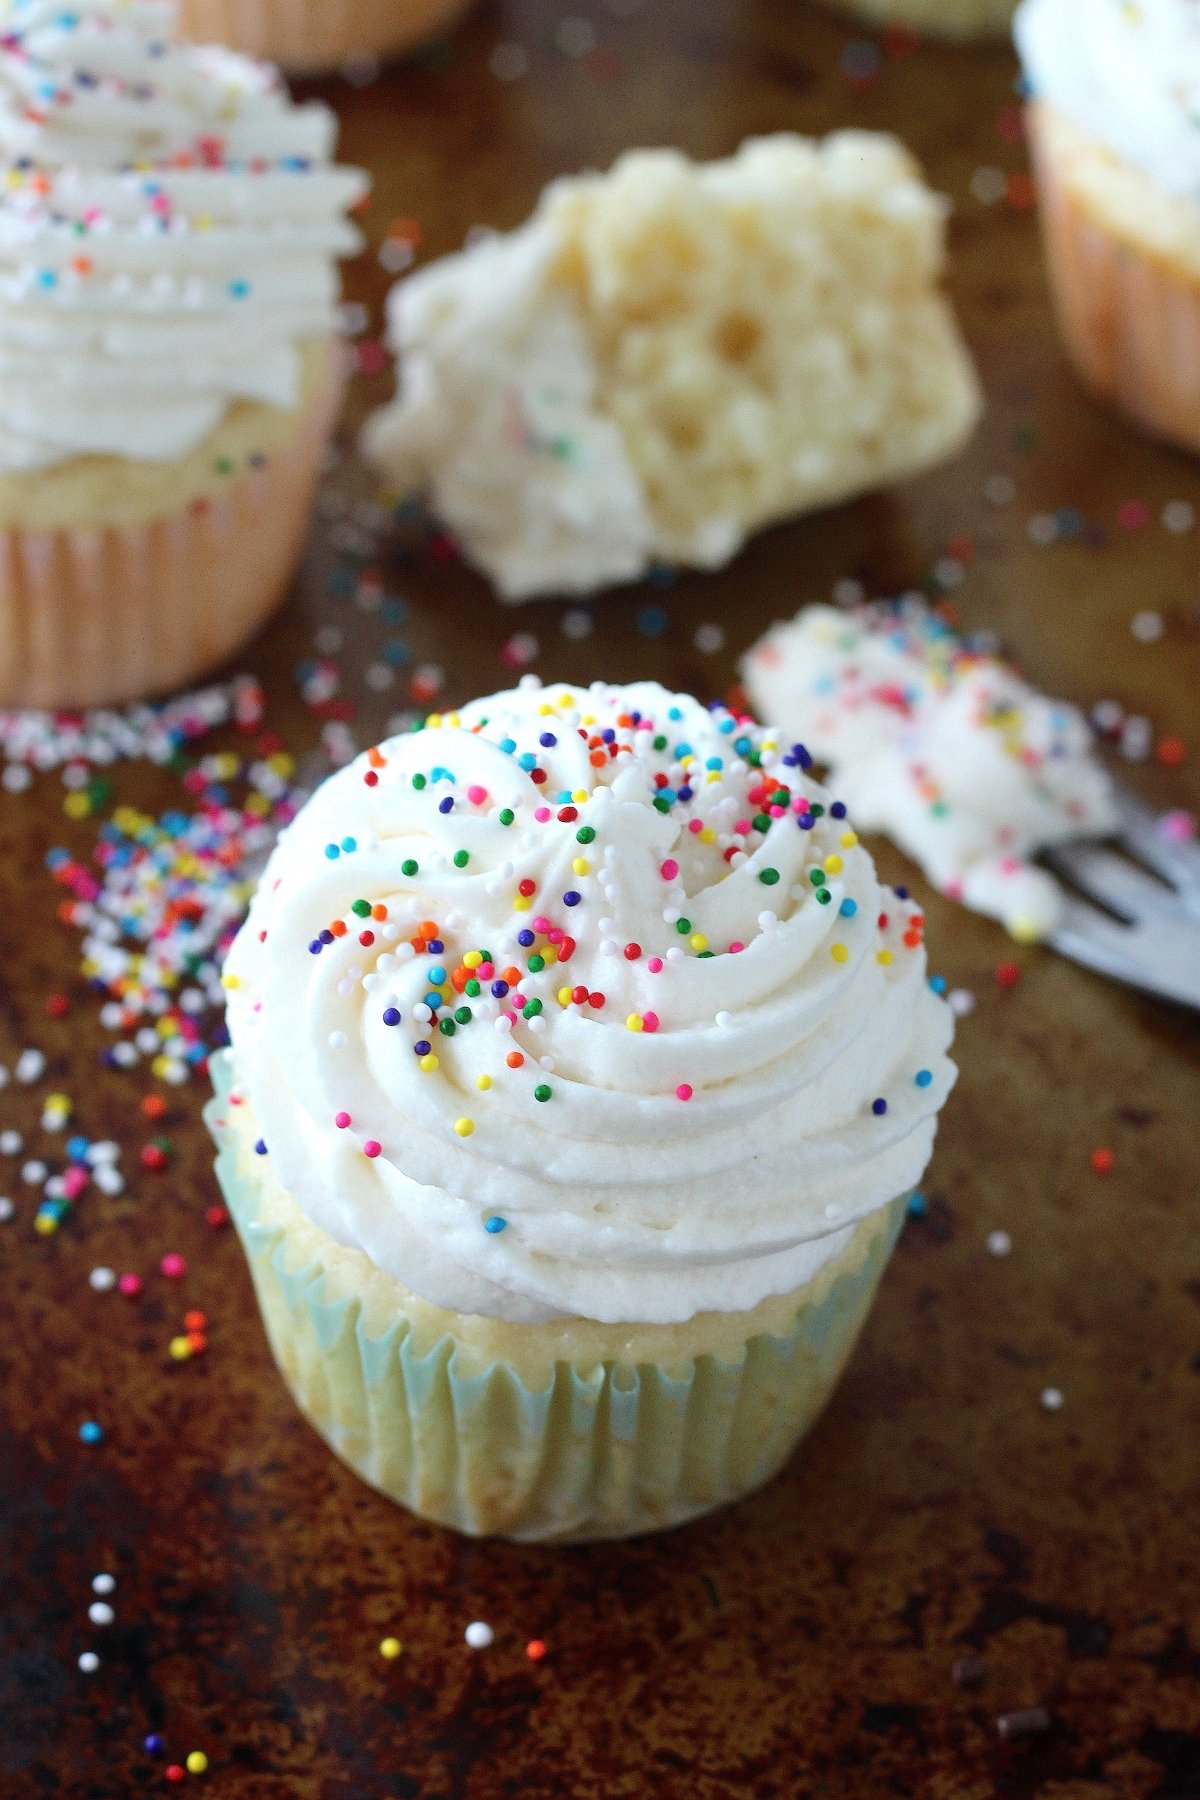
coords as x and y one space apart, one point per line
945 749
1128 73
169 229
586 1003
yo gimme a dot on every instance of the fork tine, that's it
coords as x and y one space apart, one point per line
1140 832
1113 882
1163 958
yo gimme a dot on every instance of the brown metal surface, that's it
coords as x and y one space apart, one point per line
803 1644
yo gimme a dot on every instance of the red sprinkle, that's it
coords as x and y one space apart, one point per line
1102 1161
1007 975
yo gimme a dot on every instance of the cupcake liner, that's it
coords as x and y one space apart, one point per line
308 36
92 617
964 20
1131 321
598 1449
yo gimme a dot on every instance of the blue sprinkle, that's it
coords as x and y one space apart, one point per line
838 810
435 946
90 1432
938 983
918 1205
332 852
494 1224
571 898
924 1077
879 1107
391 1016
349 844
848 908
437 975
446 805
422 1047
547 740
260 1148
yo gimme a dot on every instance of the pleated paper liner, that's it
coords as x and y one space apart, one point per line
306 37
579 1451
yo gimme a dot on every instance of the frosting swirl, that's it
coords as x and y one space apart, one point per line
169 229
586 1003
1128 73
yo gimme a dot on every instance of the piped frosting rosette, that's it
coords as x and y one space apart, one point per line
169 229
586 1003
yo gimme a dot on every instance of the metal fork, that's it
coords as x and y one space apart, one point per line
1144 927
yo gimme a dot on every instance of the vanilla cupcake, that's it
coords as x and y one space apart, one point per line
580 1067
1114 126
308 37
668 357
959 19
169 371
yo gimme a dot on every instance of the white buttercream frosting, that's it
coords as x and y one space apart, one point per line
170 226
682 1070
1128 73
945 750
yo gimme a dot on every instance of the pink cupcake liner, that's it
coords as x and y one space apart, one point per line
308 36
95 617
1130 320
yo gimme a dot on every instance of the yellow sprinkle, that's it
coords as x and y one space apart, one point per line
464 1127
282 763
180 1349
549 954
848 840
454 719
544 710
160 1066
77 806
166 1028
57 1103
564 996
708 835
713 775
838 952
1026 931
472 959
635 1022
44 1224
195 1762
521 904
390 1648
833 865
231 981
884 957
580 796
428 1063
483 1083
698 941
581 866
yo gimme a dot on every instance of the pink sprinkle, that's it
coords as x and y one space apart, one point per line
742 827
485 971
736 947
777 812
556 934
372 1149
683 1091
477 795
541 814
654 965
1133 515
130 1285
1178 827
173 1266
953 890
695 826
74 1182
650 1021
670 869
341 1120
541 923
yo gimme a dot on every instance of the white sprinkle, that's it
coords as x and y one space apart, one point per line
1178 516
1052 1399
724 1019
709 639
961 1002
11 1143
479 1636
89 1662
1043 528
1147 627
17 778
109 1180
30 1064
988 185
7 1209
848 592
999 1243
1137 735
102 1279
104 1583
34 1172
101 1613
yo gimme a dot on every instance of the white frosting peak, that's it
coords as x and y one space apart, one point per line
1127 72
963 764
169 231
670 1031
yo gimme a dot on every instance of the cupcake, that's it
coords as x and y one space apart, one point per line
1114 126
310 36
944 748
960 19
579 1070
665 358
169 369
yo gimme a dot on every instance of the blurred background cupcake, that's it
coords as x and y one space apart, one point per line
307 37
580 1069
962 19
169 368
1114 124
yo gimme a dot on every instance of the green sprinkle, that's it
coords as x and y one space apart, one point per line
817 877
542 1092
661 805
585 835
818 812
704 955
536 964
507 815
824 896
473 988
464 1015
461 858
447 1027
761 822
660 743
409 867
779 797
362 908
419 782
768 877
532 1009
683 926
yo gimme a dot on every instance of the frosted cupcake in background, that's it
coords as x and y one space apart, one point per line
1114 124
946 750
672 355
961 19
169 372
309 37
580 1067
